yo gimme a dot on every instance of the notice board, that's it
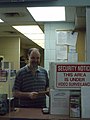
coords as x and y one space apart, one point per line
69 75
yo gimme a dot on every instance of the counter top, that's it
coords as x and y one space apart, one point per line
34 113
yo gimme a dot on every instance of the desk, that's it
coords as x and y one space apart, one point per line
34 113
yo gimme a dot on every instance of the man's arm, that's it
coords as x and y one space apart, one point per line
44 92
31 95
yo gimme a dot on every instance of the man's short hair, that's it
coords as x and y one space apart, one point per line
31 49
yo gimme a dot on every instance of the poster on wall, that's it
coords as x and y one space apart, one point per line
72 75
3 75
61 52
72 57
61 37
67 38
59 102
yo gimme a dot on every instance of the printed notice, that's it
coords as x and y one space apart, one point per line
67 38
3 75
72 38
72 57
61 37
72 75
61 52
59 102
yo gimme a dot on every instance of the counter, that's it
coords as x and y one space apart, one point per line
34 113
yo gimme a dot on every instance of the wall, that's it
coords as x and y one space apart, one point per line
10 49
50 41
88 33
81 46
86 97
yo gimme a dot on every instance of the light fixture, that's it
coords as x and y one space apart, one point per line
1 20
33 32
47 13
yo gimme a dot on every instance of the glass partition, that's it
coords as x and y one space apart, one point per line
7 76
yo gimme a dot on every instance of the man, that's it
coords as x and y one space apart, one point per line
22 61
31 82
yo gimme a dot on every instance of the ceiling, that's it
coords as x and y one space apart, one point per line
20 16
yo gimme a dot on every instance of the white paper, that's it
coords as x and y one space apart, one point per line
61 52
72 49
61 37
59 102
67 38
72 57
72 38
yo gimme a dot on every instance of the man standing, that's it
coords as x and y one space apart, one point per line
31 82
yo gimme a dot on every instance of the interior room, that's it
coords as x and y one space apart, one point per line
15 42
19 15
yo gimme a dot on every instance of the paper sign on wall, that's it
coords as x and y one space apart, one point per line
59 102
72 75
67 38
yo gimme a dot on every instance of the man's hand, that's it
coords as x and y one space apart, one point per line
33 95
44 92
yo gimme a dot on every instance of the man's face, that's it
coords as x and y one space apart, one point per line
34 59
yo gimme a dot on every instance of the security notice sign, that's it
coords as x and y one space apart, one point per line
72 75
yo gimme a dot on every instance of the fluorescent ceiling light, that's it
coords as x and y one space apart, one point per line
47 13
28 29
35 36
1 20
33 32
39 42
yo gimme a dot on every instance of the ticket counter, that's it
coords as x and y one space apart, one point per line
34 113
